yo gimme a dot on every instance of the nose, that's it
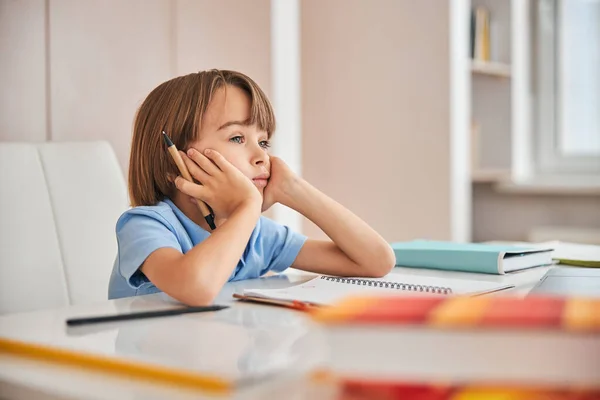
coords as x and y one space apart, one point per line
259 156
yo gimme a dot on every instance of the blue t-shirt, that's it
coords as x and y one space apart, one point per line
142 230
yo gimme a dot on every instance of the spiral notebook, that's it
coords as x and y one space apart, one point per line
326 290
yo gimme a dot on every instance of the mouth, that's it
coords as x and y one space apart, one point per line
261 181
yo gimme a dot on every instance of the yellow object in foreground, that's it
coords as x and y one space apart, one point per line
122 368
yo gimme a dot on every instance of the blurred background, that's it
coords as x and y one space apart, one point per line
439 119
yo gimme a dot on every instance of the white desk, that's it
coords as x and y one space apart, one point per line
246 341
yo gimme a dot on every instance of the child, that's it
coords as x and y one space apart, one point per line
223 121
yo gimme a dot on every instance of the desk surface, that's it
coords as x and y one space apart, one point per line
246 341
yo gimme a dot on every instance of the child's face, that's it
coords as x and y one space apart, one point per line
224 129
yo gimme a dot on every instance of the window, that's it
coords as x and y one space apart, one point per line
567 67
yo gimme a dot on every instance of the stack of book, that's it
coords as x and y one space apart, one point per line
502 341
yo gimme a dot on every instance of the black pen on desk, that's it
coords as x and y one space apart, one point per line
142 315
208 216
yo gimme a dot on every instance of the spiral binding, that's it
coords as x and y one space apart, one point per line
390 285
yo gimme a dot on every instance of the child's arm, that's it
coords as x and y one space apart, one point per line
195 278
355 248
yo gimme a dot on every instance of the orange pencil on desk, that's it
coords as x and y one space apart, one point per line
208 216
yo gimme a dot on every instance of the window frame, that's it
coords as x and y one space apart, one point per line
549 160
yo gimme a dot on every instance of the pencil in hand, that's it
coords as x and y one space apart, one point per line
208 216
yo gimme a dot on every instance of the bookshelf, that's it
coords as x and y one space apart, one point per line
499 34
497 192
500 117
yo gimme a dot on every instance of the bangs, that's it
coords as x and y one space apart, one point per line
261 111
261 114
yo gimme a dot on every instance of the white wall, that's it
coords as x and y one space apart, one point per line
78 70
102 65
376 112
226 34
22 70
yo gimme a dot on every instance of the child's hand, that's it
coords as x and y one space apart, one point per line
280 184
223 186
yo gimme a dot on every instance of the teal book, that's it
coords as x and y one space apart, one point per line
470 257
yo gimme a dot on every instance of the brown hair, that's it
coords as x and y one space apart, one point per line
177 107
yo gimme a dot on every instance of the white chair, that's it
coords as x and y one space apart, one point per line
58 208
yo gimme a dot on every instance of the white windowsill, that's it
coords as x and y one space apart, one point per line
555 184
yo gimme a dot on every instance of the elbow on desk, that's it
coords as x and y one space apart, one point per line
195 291
203 296
199 302
204 293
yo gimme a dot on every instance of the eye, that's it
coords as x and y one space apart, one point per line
237 139
265 144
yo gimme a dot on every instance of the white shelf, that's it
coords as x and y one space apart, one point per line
491 68
490 175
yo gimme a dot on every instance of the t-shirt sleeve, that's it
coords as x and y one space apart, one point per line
137 237
282 245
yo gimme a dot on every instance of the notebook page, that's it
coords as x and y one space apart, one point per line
323 291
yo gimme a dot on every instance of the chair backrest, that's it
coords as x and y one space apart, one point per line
58 209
